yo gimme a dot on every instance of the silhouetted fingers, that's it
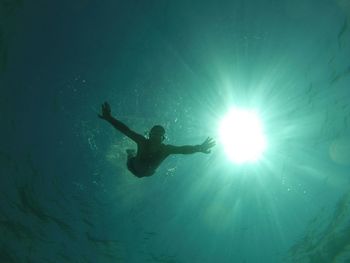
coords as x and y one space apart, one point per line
105 108
209 142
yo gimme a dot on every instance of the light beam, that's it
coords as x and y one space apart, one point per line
242 135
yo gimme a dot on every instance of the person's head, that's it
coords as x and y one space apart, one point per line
157 133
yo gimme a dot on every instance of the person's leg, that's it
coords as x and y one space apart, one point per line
130 153
130 163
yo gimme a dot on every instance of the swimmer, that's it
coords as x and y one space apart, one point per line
151 151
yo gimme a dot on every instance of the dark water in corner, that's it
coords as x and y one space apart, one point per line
65 193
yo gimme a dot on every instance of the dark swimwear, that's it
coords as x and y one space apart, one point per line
136 169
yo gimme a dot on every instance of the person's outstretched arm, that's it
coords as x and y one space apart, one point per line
189 149
106 115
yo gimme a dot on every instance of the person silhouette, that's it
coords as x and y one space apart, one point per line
151 151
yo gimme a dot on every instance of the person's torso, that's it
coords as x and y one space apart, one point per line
151 156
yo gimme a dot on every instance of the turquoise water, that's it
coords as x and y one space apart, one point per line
66 195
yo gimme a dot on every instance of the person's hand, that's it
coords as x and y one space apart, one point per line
106 111
206 145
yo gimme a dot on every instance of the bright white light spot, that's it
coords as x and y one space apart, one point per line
242 135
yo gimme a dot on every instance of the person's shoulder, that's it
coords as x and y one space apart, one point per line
143 139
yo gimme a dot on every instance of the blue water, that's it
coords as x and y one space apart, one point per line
66 195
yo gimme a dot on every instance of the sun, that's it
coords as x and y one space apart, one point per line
242 136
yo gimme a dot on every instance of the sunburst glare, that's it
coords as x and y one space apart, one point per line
242 136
